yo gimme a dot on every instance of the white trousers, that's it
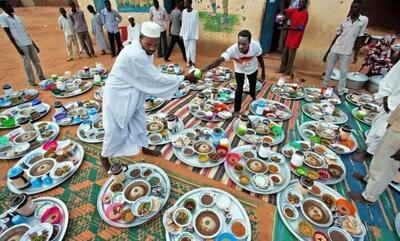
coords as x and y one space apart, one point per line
72 40
378 128
383 168
190 49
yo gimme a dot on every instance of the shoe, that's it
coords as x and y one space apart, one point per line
93 55
187 65
151 152
33 84
358 197
167 60
105 163
69 59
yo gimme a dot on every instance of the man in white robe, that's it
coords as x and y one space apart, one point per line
132 78
133 30
389 96
190 32
97 30
385 164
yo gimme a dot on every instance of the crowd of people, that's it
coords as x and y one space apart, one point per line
134 75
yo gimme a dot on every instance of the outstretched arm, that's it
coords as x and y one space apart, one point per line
214 64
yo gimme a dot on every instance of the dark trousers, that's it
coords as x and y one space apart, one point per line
162 47
287 63
175 39
115 37
239 89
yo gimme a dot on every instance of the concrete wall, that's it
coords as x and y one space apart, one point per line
249 13
324 17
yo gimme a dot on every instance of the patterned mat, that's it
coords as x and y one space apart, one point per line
80 195
379 217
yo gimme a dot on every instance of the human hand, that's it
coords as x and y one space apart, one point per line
191 78
325 58
37 49
396 156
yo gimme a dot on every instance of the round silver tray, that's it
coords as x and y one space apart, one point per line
306 138
293 225
334 99
98 94
192 160
71 94
220 89
79 74
354 111
20 107
73 105
165 183
79 153
220 78
162 101
276 141
285 108
84 137
35 94
328 151
15 132
236 209
180 124
287 96
284 172
159 68
363 96
233 85
340 121
33 220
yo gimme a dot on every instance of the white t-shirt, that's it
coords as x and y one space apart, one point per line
244 63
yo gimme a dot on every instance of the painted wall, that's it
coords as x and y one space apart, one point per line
324 17
214 35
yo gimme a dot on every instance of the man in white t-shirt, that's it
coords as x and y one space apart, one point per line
246 55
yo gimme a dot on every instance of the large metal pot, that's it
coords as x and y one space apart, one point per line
373 83
356 80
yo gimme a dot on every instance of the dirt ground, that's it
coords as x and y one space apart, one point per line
41 23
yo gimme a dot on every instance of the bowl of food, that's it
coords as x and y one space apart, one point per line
142 206
336 233
207 199
244 179
154 181
182 217
335 170
353 226
61 170
203 147
273 168
256 166
187 151
313 160
207 224
135 190
114 211
135 173
239 229
180 141
42 167
276 179
320 236
22 148
306 229
15 233
294 198
261 182
238 168
233 158
249 155
52 215
33 158
154 126
316 212
25 137
155 137
190 204
185 236
345 207
316 190
277 158
127 216
290 211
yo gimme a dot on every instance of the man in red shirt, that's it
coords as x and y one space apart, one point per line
298 20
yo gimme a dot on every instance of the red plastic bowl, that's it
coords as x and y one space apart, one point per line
54 213
233 158
50 145
222 150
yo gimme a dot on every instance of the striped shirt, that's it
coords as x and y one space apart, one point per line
17 29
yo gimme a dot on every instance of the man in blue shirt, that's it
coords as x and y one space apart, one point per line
111 19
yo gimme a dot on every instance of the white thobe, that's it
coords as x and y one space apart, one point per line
97 30
132 78
390 87
190 33
133 34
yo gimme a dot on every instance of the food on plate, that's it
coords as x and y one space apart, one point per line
214 157
135 173
273 168
315 190
147 172
238 229
207 199
352 225
315 212
190 204
244 179
144 208
116 187
293 198
261 181
203 158
313 175
137 191
114 211
276 159
319 149
238 168
306 229
289 212
276 179
61 171
154 181
319 236
208 223
106 198
289 152
256 166
338 235
328 199
248 154
336 171
182 217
